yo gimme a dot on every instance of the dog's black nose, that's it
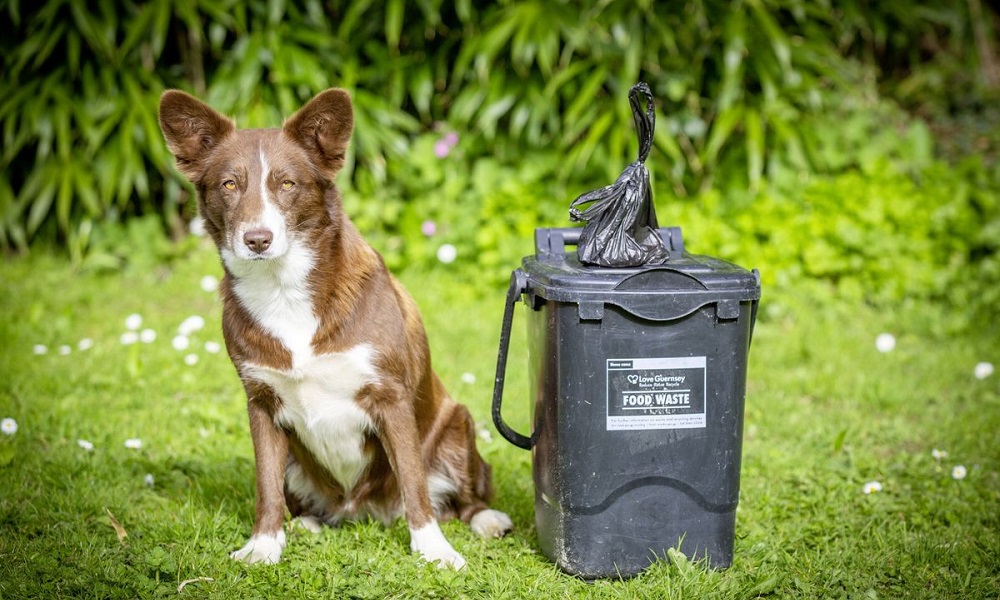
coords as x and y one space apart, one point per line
258 240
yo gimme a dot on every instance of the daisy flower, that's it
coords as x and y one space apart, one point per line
885 342
209 283
191 324
133 322
983 370
871 487
447 253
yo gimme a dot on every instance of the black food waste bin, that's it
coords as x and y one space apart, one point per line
637 381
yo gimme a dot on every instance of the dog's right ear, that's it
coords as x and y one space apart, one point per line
191 129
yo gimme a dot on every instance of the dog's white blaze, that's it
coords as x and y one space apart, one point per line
265 170
430 542
269 218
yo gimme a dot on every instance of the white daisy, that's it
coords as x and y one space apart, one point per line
191 360
447 253
468 378
209 283
212 347
133 322
129 337
85 445
181 342
958 472
885 342
64 350
85 344
148 480
939 454
197 226
983 370
133 443
871 487
147 336
40 349
8 426
191 324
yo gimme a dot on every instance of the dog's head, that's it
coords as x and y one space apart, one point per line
261 192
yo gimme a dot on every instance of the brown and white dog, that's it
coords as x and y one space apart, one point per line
348 419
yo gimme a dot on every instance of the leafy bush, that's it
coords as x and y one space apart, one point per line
774 145
882 237
735 78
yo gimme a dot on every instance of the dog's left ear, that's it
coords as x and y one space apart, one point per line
323 127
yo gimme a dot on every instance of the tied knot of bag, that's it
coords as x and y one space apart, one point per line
621 229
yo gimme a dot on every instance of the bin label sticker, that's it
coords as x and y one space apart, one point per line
656 393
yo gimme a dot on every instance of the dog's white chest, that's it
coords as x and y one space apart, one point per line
318 404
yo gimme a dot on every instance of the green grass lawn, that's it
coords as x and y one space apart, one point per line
826 413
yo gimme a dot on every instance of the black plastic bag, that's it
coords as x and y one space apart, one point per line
621 219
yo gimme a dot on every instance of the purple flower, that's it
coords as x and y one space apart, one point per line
441 148
428 228
451 138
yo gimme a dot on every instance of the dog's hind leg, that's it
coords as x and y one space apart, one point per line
459 460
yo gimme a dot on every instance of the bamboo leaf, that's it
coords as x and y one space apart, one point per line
775 36
64 199
754 127
585 99
581 153
394 23
41 202
351 18
275 11
722 128
138 28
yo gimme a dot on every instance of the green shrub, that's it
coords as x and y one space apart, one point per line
773 145
882 237
735 79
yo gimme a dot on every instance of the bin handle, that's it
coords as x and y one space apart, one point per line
753 309
518 285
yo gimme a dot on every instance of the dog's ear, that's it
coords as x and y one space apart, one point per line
191 129
323 127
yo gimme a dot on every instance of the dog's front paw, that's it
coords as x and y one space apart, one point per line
261 548
433 547
491 523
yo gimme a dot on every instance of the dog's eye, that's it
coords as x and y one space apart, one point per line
229 184
287 185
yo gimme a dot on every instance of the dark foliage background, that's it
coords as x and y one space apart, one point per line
849 143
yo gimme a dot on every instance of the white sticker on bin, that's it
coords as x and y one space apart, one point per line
656 393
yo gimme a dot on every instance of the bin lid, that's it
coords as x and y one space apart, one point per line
671 290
